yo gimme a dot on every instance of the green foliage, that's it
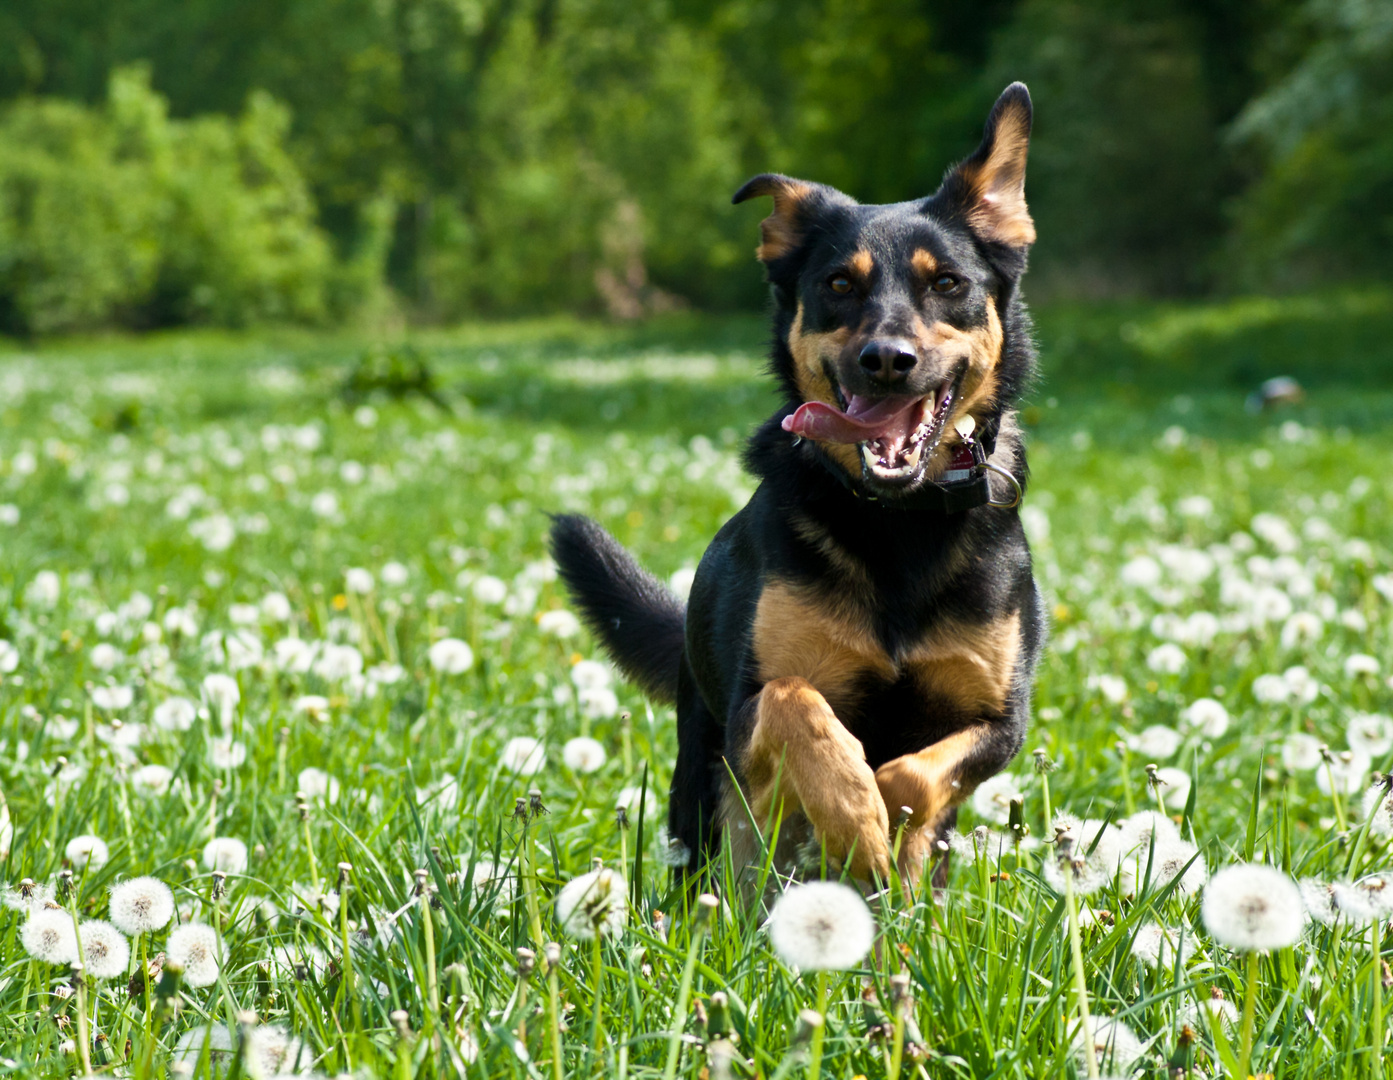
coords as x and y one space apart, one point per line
121 215
1323 204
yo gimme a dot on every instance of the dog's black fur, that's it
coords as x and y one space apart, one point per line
877 555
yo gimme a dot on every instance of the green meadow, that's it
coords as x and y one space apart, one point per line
227 567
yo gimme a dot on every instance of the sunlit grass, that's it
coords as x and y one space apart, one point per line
191 506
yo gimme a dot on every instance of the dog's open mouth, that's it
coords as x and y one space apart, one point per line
895 435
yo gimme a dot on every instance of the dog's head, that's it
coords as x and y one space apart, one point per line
889 319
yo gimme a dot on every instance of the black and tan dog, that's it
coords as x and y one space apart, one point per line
861 637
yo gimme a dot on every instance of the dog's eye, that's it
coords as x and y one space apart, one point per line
839 283
945 283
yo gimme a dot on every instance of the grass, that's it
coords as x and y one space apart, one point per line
171 483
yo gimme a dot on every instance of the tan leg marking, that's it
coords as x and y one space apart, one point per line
802 760
925 782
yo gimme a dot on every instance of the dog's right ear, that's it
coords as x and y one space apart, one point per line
795 204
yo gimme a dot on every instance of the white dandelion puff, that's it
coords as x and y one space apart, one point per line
358 581
1300 752
1358 665
141 904
1113 1042
992 800
1249 907
583 755
1207 716
112 698
28 896
48 936
1370 734
222 694
488 589
105 951
1346 773
598 702
318 784
523 755
1175 786
225 853
451 656
593 903
225 752
588 674
558 623
1167 659
1156 742
194 947
271 1052
1378 809
175 714
1157 946
821 926
87 852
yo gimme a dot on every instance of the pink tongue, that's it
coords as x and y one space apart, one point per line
861 422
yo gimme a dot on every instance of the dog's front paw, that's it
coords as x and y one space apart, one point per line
849 818
905 782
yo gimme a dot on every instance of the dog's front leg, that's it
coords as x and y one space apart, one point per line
801 758
933 781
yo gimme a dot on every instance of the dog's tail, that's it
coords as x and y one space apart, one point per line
639 620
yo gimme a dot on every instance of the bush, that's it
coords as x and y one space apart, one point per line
120 216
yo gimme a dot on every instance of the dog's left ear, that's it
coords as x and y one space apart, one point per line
989 187
796 203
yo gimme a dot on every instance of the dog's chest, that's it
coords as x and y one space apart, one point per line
952 665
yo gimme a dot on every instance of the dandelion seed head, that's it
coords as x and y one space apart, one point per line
523 755
152 779
558 623
87 852
589 674
194 947
583 755
225 853
1370 734
1114 1043
141 904
992 800
1207 716
451 656
48 936
1378 809
271 1052
1300 752
1157 946
593 903
821 926
27 896
105 950
1249 907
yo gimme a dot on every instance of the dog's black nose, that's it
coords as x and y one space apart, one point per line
888 359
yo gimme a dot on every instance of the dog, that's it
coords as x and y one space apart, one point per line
858 648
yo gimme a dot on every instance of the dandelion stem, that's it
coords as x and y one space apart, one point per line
1045 796
815 1050
1376 947
1080 984
597 971
684 991
432 983
1250 993
84 1038
558 1068
534 913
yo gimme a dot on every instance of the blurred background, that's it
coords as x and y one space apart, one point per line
404 162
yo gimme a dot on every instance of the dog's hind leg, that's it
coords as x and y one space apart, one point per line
801 759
